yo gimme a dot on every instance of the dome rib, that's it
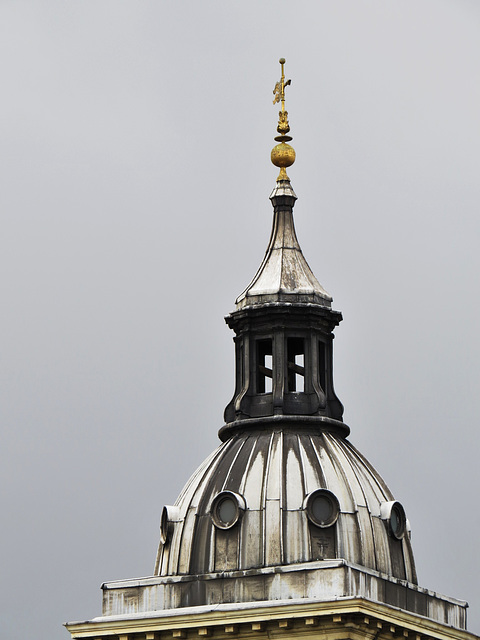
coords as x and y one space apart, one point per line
363 513
314 476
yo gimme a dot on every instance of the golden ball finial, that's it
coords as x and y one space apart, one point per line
282 61
283 156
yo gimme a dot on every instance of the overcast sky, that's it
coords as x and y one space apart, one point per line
135 143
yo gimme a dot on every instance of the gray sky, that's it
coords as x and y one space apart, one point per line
135 169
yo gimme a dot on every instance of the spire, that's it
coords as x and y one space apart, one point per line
284 324
284 275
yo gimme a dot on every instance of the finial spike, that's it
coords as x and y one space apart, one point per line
283 155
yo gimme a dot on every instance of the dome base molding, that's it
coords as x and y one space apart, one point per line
298 423
321 581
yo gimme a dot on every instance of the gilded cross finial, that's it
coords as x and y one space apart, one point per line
283 155
279 90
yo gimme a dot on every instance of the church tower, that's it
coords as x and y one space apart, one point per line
285 530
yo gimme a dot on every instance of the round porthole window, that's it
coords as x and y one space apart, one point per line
394 514
170 515
397 521
227 509
322 508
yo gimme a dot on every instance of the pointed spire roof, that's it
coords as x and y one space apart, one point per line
284 275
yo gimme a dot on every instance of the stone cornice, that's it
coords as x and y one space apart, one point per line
341 618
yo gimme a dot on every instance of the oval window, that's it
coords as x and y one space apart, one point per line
397 521
322 508
170 515
394 515
227 509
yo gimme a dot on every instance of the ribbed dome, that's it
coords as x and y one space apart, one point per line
273 472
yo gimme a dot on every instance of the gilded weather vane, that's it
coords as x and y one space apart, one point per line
279 90
283 155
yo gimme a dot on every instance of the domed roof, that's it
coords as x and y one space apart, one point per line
268 476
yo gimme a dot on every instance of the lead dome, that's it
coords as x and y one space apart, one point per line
274 470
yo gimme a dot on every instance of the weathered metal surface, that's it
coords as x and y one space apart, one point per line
274 470
326 580
284 275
